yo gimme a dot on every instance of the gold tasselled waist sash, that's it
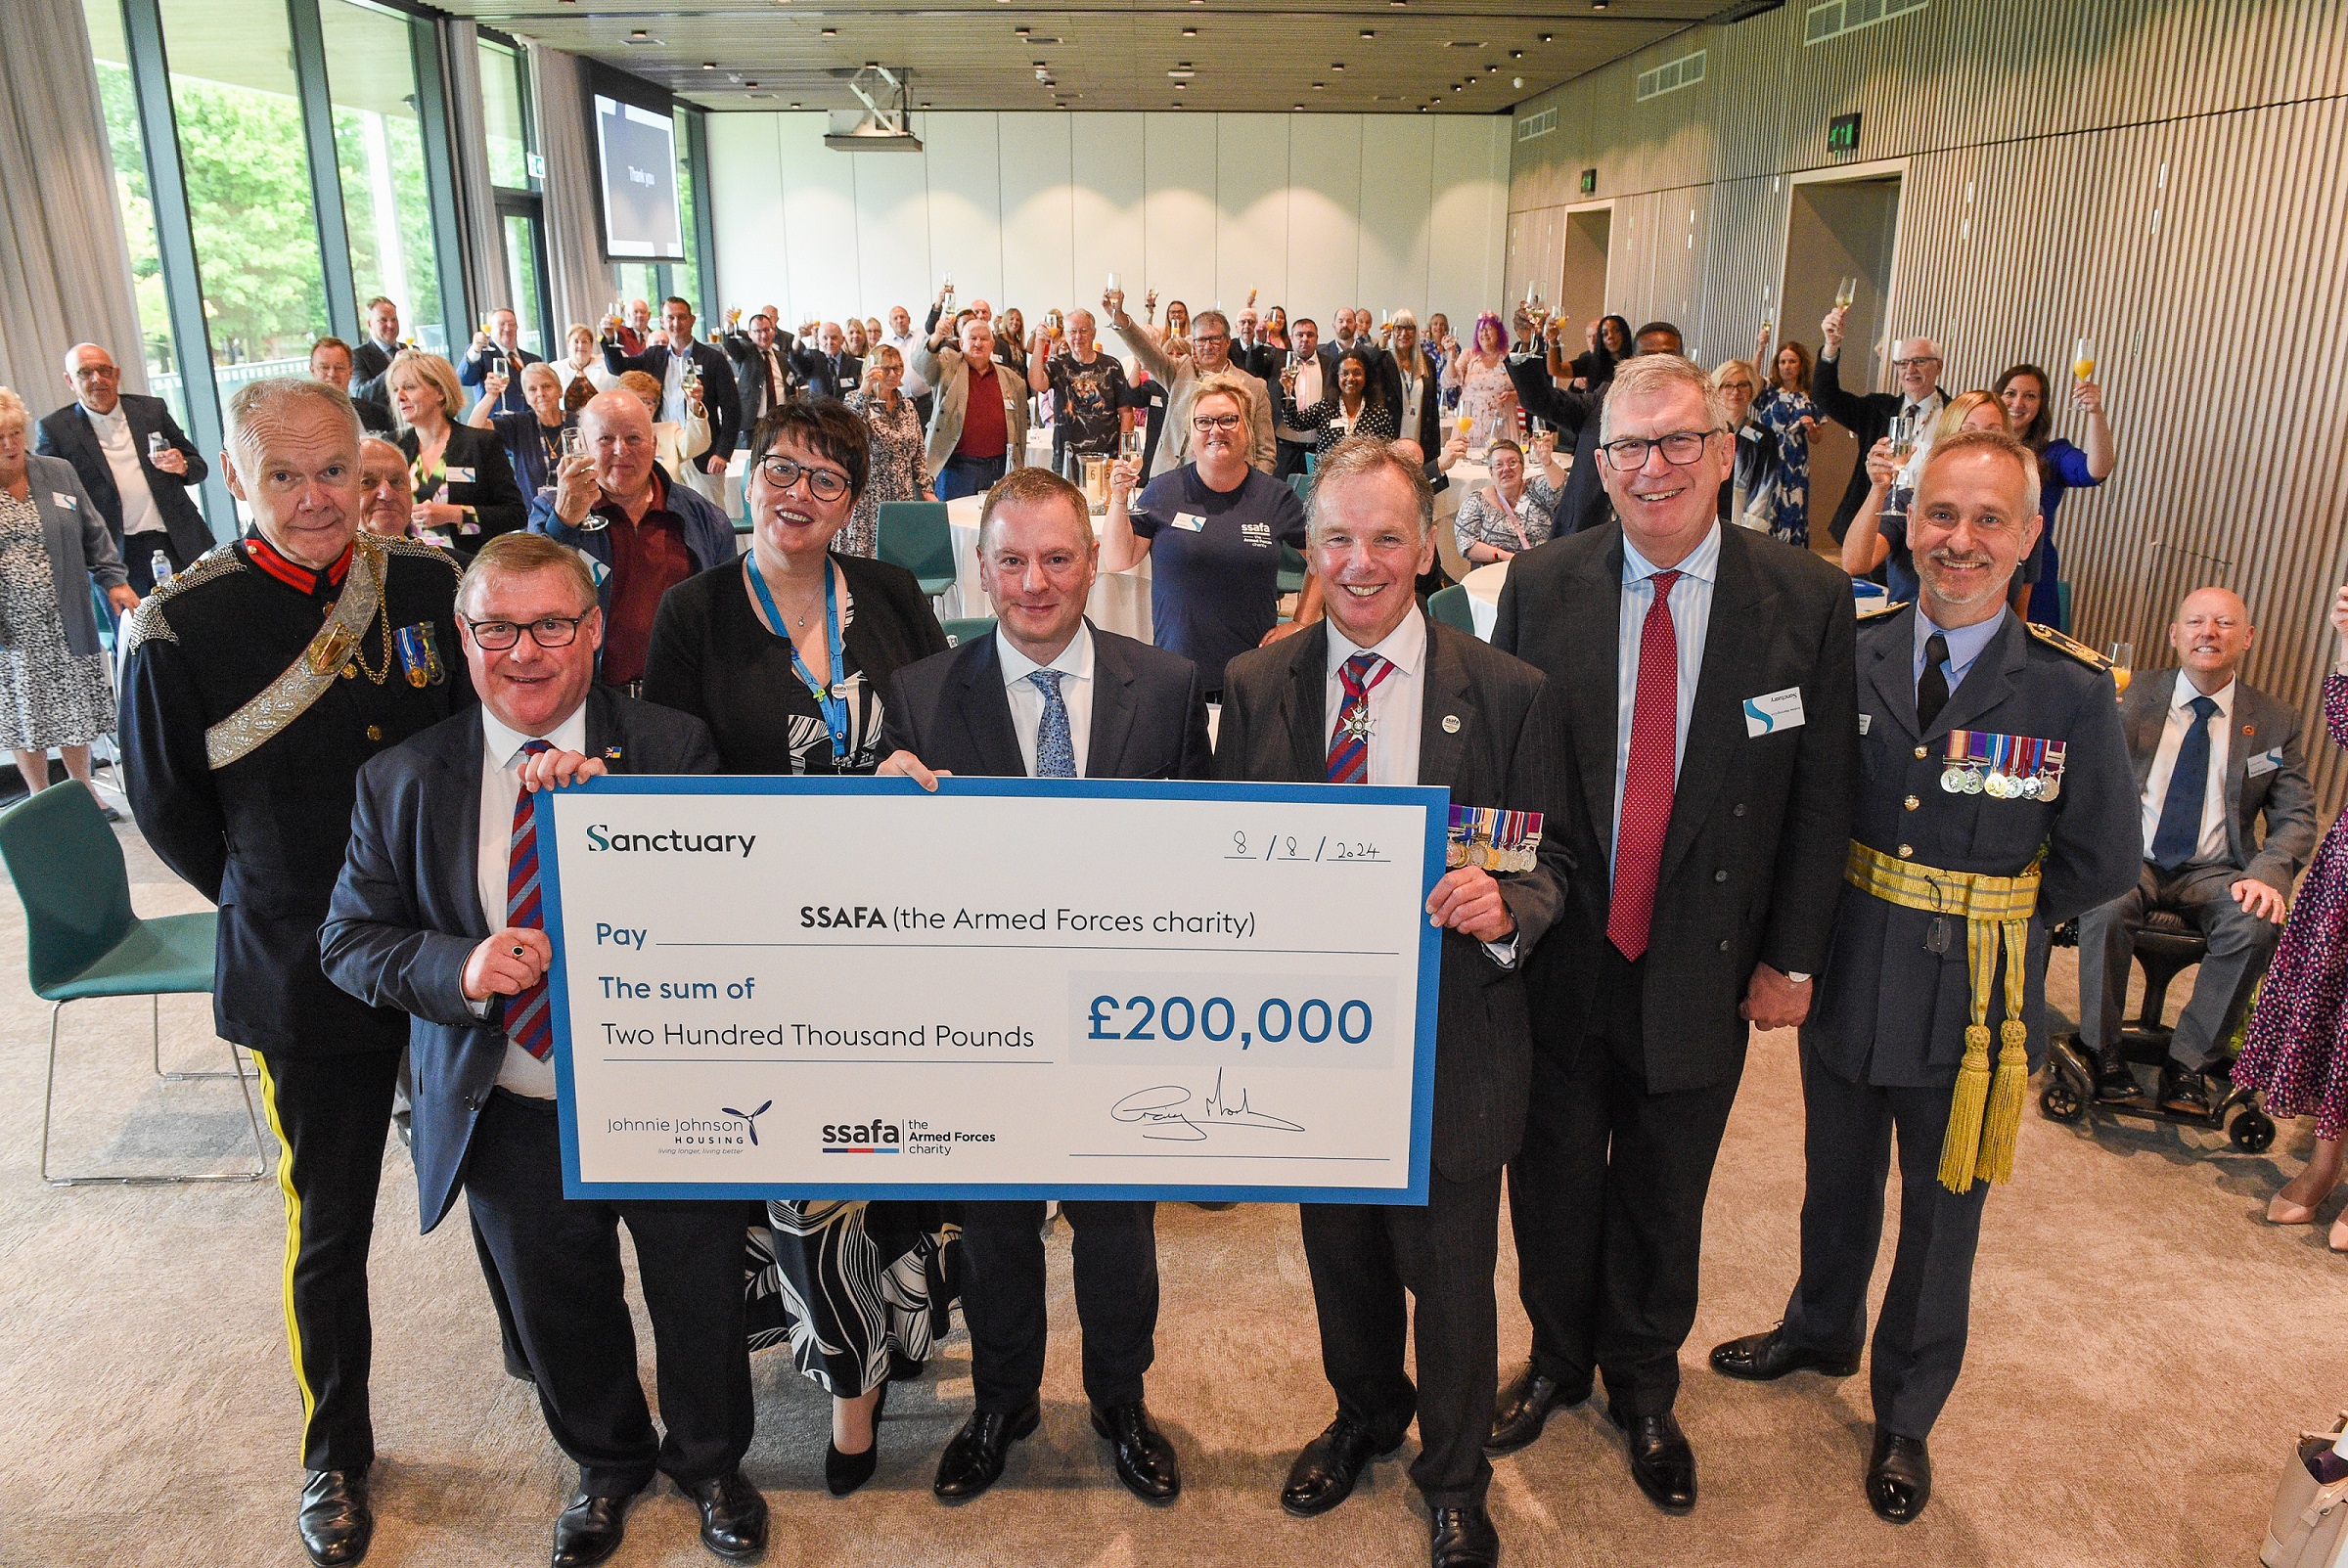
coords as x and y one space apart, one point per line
1985 1116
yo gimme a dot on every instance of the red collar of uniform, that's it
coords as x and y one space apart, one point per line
266 555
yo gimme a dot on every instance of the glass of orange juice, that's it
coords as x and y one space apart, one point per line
2083 359
2123 664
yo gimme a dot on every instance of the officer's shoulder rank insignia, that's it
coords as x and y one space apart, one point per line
2063 644
1888 607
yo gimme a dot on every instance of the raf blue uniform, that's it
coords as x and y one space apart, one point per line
1885 1035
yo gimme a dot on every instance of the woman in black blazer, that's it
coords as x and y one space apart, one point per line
464 490
745 647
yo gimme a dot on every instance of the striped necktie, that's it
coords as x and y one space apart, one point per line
1648 777
1350 740
529 1015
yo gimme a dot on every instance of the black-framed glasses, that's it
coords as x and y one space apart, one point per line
1910 364
546 631
822 483
1205 422
1679 447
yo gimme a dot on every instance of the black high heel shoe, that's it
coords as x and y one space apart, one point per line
843 1473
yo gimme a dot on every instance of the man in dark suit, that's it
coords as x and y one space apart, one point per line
1956 850
1316 377
828 368
2212 754
663 363
761 371
135 463
377 350
1049 696
330 363
440 914
1707 672
1440 708
498 351
1868 416
1539 392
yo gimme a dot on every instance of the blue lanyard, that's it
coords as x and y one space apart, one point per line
834 702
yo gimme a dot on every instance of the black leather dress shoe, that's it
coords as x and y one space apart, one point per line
1523 1407
334 1520
1899 1477
1463 1537
2183 1091
973 1459
1661 1462
2113 1079
589 1530
1766 1358
1324 1474
733 1515
1144 1460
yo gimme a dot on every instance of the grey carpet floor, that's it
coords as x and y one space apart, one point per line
2144 1350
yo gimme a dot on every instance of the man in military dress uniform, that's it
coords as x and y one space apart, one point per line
1995 801
256 684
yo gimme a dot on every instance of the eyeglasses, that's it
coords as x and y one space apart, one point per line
822 483
548 631
1206 423
1680 448
1210 340
1910 364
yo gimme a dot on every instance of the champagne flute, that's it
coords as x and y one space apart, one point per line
2083 359
1846 289
2123 666
1903 435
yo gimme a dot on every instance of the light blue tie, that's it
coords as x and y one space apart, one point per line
1055 748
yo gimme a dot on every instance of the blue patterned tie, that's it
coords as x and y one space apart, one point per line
1054 748
2179 829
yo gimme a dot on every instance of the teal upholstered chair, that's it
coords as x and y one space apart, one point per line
915 535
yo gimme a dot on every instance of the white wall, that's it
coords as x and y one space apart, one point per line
1035 209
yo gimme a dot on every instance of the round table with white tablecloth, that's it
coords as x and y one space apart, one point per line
1119 602
1483 596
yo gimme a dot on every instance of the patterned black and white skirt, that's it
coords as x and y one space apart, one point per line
848 1283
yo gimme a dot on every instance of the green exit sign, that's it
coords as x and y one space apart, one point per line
1588 182
1842 134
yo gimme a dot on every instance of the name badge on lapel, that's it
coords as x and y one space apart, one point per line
1190 523
2264 762
1778 710
66 501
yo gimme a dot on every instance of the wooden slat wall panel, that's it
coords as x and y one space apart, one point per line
2161 175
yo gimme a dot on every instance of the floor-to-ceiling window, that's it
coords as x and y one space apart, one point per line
158 347
380 149
515 173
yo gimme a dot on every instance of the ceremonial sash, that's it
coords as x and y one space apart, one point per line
307 678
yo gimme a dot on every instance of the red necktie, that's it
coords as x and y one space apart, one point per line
1349 740
529 1015
1647 780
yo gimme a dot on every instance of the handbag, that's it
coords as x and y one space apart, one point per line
2306 1528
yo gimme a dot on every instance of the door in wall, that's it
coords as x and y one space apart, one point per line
1582 291
1839 229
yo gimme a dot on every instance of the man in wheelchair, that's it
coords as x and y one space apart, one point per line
2212 756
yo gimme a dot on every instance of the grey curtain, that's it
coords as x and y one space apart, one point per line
487 283
581 281
64 269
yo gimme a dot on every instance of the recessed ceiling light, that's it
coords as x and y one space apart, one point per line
1190 32
749 84
640 33
1181 85
794 105
1317 86
1336 65
1021 31
1039 65
1515 53
1545 38
1368 32
831 32
1298 107
708 64
1598 4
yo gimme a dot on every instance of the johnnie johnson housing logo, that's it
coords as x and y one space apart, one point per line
749 1118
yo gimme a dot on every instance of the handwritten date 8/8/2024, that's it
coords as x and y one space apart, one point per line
1311 850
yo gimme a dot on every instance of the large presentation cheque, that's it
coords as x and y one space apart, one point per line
836 988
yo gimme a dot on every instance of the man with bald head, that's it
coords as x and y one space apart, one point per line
644 532
134 461
1087 388
1916 367
2213 754
828 368
254 686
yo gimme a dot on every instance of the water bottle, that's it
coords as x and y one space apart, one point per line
159 567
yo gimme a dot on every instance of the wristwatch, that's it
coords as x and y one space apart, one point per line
1797 978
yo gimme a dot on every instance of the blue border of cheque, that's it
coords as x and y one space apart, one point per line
1434 801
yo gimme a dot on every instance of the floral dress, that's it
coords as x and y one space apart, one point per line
896 471
1782 413
1486 396
2295 1048
49 696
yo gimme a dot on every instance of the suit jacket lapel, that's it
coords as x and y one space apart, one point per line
1890 672
1445 694
1112 711
985 711
461 764
1989 682
1593 603
2146 719
2241 745
1741 611
1304 708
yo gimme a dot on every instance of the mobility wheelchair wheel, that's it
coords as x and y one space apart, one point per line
2060 1100
2252 1131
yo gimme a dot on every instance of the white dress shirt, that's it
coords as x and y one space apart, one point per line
501 782
2212 844
139 515
1691 618
674 405
905 343
1075 665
